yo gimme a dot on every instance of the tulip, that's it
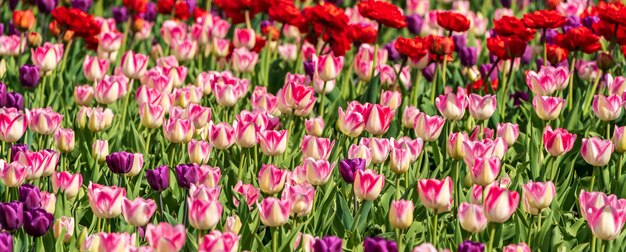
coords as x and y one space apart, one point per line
204 193
29 76
47 57
37 222
368 184
619 141
64 224
425 247
138 212
151 116
14 99
112 242
558 142
472 217
363 61
352 121
243 60
100 150
409 115
378 118
271 179
199 115
596 151
24 20
95 68
199 151
273 142
329 66
360 151
110 42
204 215
521 247
300 197
83 95
482 107
401 214
607 108
29 195
471 246
178 130
6 241
11 215
428 127
43 120
414 146
244 38
539 194
454 148
378 147
485 171
349 167
296 98
220 47
509 132
452 106
64 139
120 162
314 126
500 204
602 213
548 108
109 89
233 224
186 174
48 202
274 212
221 135
377 244
184 50
218 241
165 237
542 83
105 201
13 174
66 183
326 244
246 133
158 178
318 171
99 119
399 160
436 194
249 193
316 147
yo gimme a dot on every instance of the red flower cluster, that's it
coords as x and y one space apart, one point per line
607 30
286 12
556 54
480 84
165 7
382 12
329 23
453 21
544 19
236 9
181 10
362 33
509 26
136 6
79 22
411 47
578 39
506 48
614 13
440 47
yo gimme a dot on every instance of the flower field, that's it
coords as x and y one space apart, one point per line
312 125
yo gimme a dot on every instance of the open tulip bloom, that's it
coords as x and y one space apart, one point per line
335 125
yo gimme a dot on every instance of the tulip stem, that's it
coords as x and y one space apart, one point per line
161 205
433 87
323 94
619 166
492 234
590 96
545 48
443 70
456 184
593 178
128 92
593 243
398 186
570 93
275 240
435 220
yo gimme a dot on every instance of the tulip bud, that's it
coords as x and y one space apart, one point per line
199 151
472 217
271 179
368 184
100 150
482 107
34 39
509 132
436 194
596 151
300 197
318 171
451 106
401 214
548 108
607 108
314 126
232 224
539 194
204 215
619 140
64 224
605 61
428 127
64 139
500 204
274 212
485 171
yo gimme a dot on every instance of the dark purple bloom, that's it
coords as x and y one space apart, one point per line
328 244
394 55
29 76
12 30
335 2
309 68
429 72
414 23
6 242
186 174
519 98
15 100
192 5
46 6
468 56
120 14
572 22
377 244
83 5
29 196
484 69
3 94
460 42
159 178
471 246
1 28
265 24
120 162
588 21
348 168
13 4
37 222
506 3
17 148
151 13
549 36
527 56
12 215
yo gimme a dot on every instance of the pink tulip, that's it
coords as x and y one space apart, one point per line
360 151
363 61
436 194
110 89
199 151
204 193
63 224
64 139
482 107
173 30
184 50
263 100
83 95
13 174
378 118
521 247
47 57
138 212
11 45
485 171
43 120
48 201
472 217
296 98
547 80
597 151
246 132
301 79
604 213
105 201
221 135
548 108
274 212
454 147
249 193
485 149
509 132
352 121
607 108
316 147
199 115
177 74
95 68
243 60
134 64
217 241
220 47
428 127
136 166
271 179
401 214
618 86
452 106
378 147
500 204
40 163
178 130
165 237
110 41
539 194
314 126
619 139
368 184
100 149
244 38
414 146
318 171
558 142
301 198
209 176
399 160
112 242
426 247
409 115
232 224
203 80
329 66
157 81
273 142
66 183
151 116
204 215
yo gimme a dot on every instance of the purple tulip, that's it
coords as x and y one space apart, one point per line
186 174
588 21
335 2
150 13
12 215
3 93
46 6
13 4
348 168
29 76
549 36
120 14
572 22
15 100
17 148
328 244
37 222
29 196
460 42
120 162
394 55
377 244
429 72
484 68
468 56
83 5
506 3
527 56
12 30
471 246
519 97
309 68
414 23
6 242
1 28
159 178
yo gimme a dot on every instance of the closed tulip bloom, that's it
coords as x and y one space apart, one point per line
199 151
109 89
13 174
29 76
607 108
539 194
349 167
318 171
301 198
399 160
64 224
221 135
314 126
204 215
351 122
83 95
186 174
64 139
409 115
120 162
249 193
99 119
603 214
559 141
217 241
360 151
392 99
368 184
500 204
151 116
472 217
29 195
454 148
485 171
110 42
548 108
597 151
37 222
6 241
166 237
233 224
244 38
204 193
273 142
509 132
48 202
379 148
47 57
329 66
271 179
11 215
436 194
43 120
100 150
178 130
619 141
12 125
428 127
541 83
138 212
452 106
105 202
274 212
137 165
378 118
184 50
378 244
521 247
66 183
199 115
482 107
243 60
316 147
401 214
158 178
95 68
246 133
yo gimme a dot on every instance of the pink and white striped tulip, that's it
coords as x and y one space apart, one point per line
209 176
329 66
454 148
199 115
271 179
597 151
105 201
47 57
243 60
64 139
500 203
13 174
220 47
604 213
521 247
204 215
428 127
48 201
548 108
217 241
485 171
49 161
66 183
379 118
100 149
314 126
63 224
204 193
177 74
509 132
368 184
617 86
559 141
151 115
316 147
43 120
262 100
232 224
452 106
138 212
392 99
415 146
288 52
134 64
363 61
472 217
607 108
165 237
173 30
547 80
352 121
436 194
379 148
273 142
539 194
360 151
95 68
401 214
301 198
482 107
110 41
11 45
274 212
178 130
619 139
248 192
184 50
399 160
199 151
409 115
109 89
244 38
83 95
296 98
318 171
221 135
111 242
